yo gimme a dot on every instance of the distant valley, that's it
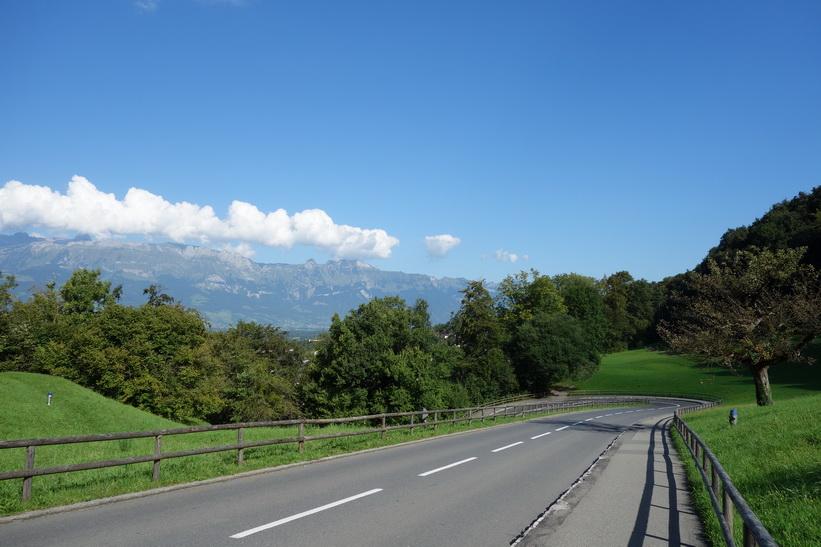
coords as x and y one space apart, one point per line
224 286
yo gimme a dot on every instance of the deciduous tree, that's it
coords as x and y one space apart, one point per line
551 347
756 309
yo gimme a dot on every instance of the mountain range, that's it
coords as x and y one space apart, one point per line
223 286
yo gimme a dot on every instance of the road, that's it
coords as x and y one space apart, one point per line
474 489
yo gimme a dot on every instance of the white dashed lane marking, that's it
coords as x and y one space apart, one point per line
508 446
432 471
279 522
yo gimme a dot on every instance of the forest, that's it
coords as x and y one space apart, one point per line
385 356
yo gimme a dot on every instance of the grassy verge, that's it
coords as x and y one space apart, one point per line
773 454
67 488
77 411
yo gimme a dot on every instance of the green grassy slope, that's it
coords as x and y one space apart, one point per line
648 370
74 410
773 455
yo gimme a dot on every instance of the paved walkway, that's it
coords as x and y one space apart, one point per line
636 495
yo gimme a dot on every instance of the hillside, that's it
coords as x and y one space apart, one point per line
74 410
224 286
789 224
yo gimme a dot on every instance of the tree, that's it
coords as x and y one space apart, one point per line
525 295
551 347
382 357
485 371
756 309
7 284
583 299
789 224
85 293
158 298
631 307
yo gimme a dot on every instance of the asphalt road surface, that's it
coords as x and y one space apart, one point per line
474 489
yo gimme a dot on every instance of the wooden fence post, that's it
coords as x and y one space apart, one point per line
727 506
241 451
715 480
411 424
157 453
748 537
301 436
384 429
29 466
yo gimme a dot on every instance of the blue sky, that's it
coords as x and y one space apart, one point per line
466 139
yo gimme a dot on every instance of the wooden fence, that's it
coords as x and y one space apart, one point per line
720 486
386 422
715 478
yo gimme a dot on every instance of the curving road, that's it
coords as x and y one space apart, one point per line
479 488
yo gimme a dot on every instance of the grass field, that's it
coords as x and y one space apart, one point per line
773 454
648 370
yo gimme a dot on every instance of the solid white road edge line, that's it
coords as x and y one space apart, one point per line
506 447
304 514
432 471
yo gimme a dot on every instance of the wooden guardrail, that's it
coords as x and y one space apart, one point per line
720 486
386 422
718 482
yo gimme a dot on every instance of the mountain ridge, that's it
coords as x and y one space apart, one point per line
222 285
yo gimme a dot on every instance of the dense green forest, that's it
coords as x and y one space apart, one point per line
384 356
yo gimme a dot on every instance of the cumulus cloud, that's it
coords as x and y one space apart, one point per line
439 246
505 256
87 210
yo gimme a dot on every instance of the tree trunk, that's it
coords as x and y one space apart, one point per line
763 393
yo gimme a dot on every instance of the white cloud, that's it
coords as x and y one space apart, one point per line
147 5
152 5
505 256
439 246
87 210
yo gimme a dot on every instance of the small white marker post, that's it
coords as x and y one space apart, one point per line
49 399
